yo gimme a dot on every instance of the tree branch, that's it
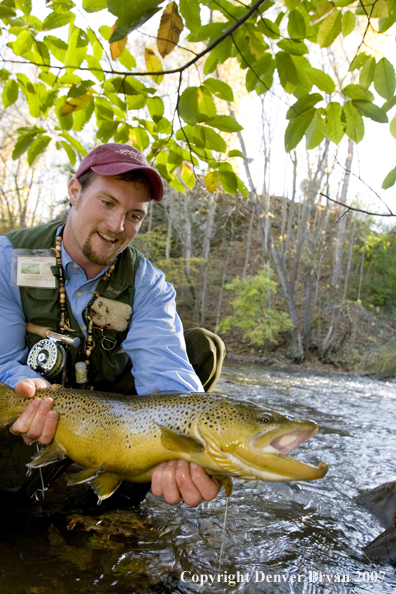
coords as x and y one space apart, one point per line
354 209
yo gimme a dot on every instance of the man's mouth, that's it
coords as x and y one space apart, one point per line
107 238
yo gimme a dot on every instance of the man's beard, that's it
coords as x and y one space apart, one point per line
95 258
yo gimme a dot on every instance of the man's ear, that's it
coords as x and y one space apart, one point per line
74 191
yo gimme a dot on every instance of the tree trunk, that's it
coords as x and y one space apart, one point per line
348 270
206 252
339 240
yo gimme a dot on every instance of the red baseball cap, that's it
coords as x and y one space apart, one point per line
114 158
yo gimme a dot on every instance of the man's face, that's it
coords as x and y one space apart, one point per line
103 220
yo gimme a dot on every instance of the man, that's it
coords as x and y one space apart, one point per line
139 347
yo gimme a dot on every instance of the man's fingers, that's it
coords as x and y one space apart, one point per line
27 387
208 487
189 491
180 479
37 422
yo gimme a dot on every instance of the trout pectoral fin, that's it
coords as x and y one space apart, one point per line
105 484
175 442
52 453
84 476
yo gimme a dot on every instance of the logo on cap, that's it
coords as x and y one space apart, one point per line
134 155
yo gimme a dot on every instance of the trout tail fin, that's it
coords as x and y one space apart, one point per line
11 405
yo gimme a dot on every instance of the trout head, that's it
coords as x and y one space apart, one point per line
251 442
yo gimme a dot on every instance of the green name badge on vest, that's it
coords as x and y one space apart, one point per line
32 268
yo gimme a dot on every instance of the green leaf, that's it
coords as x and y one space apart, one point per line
384 79
206 105
76 49
6 12
10 93
214 141
303 104
260 75
70 152
269 28
107 129
296 26
4 75
75 144
136 101
23 42
389 104
228 179
22 145
297 128
103 110
142 140
83 116
55 20
156 108
323 81
334 126
191 12
188 105
212 61
287 71
94 5
358 61
219 88
24 5
292 4
131 15
354 122
390 180
187 175
37 148
316 131
236 153
367 72
95 68
371 111
225 123
297 48
127 60
357 92
392 127
322 11
348 23
330 28
57 47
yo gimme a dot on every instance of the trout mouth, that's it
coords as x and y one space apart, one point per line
282 444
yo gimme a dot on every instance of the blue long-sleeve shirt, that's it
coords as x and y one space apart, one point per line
154 342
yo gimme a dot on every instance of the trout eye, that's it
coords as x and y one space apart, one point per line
267 419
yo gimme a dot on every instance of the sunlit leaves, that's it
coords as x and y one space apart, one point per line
212 181
323 81
303 104
296 26
296 129
56 19
334 126
25 139
118 46
348 23
10 93
367 72
76 103
371 111
389 180
37 147
358 92
219 88
330 28
354 122
187 175
316 131
287 71
191 12
94 5
384 79
323 10
169 30
374 9
153 64
131 15
260 75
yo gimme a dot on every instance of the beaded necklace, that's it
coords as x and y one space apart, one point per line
64 325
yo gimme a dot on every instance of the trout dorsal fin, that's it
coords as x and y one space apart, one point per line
175 442
50 454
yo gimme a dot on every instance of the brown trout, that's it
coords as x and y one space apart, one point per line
120 438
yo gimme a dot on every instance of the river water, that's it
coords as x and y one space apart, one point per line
278 537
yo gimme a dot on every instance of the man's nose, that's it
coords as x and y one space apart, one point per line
116 222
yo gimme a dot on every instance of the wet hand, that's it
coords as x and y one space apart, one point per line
38 421
178 479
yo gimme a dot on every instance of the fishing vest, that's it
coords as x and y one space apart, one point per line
110 367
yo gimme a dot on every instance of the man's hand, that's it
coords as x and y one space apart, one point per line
179 479
38 422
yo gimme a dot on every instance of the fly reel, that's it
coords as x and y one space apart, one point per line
47 358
